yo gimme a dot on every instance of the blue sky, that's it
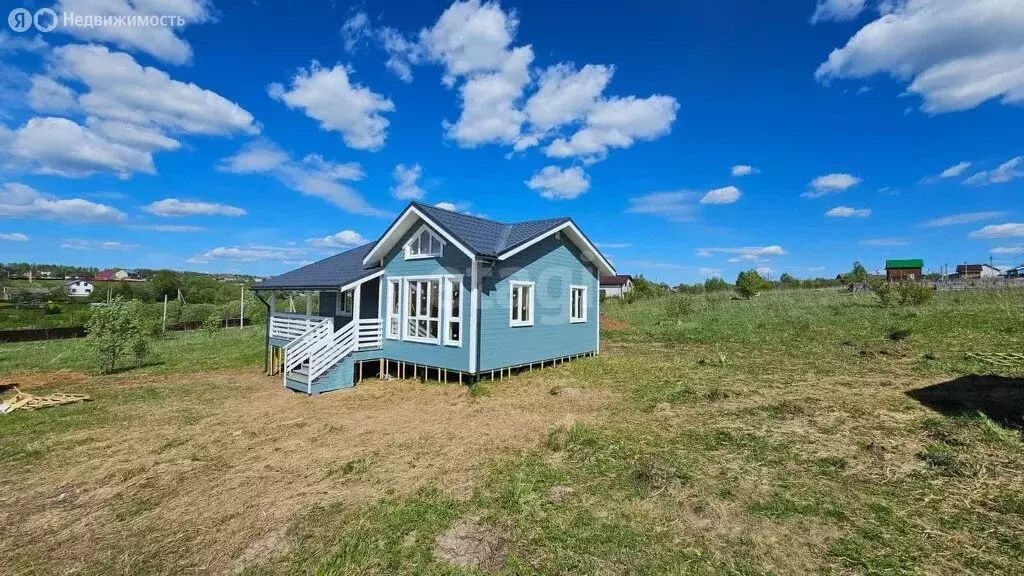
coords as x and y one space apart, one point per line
686 138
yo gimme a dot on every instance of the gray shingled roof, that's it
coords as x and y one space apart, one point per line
333 272
484 236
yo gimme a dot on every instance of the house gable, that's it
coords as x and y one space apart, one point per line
554 266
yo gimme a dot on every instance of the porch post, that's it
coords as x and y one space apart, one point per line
309 304
356 297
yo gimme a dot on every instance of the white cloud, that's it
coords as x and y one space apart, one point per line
613 245
161 42
167 228
60 147
618 123
831 184
20 201
78 244
174 208
965 218
565 95
1005 172
555 183
129 110
954 54
48 95
328 96
406 182
708 272
837 10
355 30
885 242
955 170
1008 230
1008 250
745 253
474 42
250 253
121 89
744 170
14 237
10 43
674 206
726 195
847 212
312 176
343 239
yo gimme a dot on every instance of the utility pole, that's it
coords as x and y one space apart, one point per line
165 314
241 309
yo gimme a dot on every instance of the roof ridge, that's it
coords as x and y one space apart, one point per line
475 217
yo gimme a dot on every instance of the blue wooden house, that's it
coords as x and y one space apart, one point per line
440 295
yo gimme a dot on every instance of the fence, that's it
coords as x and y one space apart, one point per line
40 334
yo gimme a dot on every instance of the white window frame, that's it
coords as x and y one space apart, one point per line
517 285
432 237
406 317
581 315
394 294
448 317
341 303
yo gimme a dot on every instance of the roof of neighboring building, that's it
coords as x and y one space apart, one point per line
618 280
488 237
904 264
333 272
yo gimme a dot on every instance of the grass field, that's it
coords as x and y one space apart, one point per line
800 432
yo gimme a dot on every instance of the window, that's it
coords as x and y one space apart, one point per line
453 310
422 313
521 304
343 304
577 304
425 244
394 314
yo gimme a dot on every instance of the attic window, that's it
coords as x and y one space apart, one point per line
425 244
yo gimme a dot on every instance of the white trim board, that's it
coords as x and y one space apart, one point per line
589 250
403 225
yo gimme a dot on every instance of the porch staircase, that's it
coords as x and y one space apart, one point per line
320 359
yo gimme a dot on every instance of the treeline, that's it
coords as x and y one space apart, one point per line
56 271
194 288
644 288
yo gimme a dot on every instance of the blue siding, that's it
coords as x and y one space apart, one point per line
554 265
452 261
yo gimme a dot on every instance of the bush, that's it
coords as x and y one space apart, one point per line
196 313
914 294
114 331
715 284
750 284
213 323
51 308
883 291
679 306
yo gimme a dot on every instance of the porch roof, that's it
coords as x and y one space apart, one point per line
333 272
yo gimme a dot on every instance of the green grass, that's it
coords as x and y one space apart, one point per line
779 435
195 350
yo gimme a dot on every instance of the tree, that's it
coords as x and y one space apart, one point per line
750 284
165 283
114 331
788 281
859 274
715 284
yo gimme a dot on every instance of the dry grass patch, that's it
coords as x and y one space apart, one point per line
196 481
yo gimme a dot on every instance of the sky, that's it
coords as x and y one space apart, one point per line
686 139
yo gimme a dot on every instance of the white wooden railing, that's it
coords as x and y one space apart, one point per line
369 334
323 347
291 326
308 345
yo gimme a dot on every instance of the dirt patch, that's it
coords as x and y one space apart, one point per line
469 544
197 483
36 380
609 324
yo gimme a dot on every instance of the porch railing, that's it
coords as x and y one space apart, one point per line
291 326
368 334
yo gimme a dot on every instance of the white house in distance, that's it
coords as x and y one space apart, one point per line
80 288
616 286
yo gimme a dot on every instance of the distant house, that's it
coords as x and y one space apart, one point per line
106 275
118 276
80 288
978 271
899 270
616 286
